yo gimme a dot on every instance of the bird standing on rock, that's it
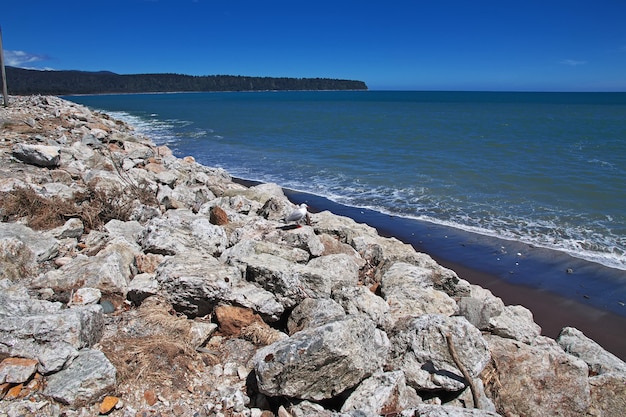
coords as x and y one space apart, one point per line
297 215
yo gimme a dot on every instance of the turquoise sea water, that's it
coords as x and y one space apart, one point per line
548 169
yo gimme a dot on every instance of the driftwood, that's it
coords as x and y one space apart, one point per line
466 375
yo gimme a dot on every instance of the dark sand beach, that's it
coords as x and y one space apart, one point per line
561 291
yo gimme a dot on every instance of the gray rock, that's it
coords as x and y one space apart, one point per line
419 348
181 230
73 228
302 238
195 283
141 287
341 269
515 322
44 331
109 271
248 247
87 380
291 283
574 342
43 247
381 394
40 155
313 312
130 230
608 395
480 306
429 410
409 291
322 362
360 300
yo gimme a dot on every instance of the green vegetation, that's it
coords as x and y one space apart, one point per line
23 82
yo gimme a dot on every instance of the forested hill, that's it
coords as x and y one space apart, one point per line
23 82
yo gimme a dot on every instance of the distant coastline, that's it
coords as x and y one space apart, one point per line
26 82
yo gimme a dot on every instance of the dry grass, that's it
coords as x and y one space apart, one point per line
94 207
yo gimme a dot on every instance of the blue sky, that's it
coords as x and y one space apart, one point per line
523 45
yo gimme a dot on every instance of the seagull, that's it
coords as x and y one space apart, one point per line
297 215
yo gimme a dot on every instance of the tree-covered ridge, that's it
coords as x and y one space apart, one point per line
23 81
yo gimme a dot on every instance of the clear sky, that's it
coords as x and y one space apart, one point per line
530 45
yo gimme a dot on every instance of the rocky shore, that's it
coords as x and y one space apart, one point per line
135 283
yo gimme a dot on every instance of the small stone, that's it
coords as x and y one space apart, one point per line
108 404
218 216
150 397
14 392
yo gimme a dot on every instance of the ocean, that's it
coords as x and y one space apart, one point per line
521 175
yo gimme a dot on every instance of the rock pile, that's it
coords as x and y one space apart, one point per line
135 283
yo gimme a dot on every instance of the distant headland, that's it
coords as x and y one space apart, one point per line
25 82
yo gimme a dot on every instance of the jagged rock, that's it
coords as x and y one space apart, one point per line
419 348
314 312
321 362
302 238
181 230
409 291
291 283
129 230
480 306
608 395
574 342
85 296
515 322
218 216
200 331
16 259
108 271
195 283
247 247
73 228
44 331
429 410
360 300
44 248
342 270
40 155
380 395
536 380
85 381
17 370
141 287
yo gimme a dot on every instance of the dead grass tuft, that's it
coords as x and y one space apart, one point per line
94 207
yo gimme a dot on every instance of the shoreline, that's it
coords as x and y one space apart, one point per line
556 300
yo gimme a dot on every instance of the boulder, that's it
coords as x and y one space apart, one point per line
195 283
290 283
419 348
409 290
85 381
480 306
43 247
40 155
537 380
515 322
321 362
574 342
357 300
314 312
380 395
181 230
45 331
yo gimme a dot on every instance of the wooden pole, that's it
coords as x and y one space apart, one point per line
5 94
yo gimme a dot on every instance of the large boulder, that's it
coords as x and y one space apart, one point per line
195 283
574 342
419 348
322 362
410 292
537 380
